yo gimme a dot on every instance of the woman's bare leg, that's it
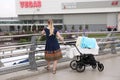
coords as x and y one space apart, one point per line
48 64
54 66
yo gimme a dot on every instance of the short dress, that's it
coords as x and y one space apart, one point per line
52 48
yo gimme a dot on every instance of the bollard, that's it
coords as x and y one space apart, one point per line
113 49
32 61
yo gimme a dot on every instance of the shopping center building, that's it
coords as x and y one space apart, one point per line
75 15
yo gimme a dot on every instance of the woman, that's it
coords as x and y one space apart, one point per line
52 48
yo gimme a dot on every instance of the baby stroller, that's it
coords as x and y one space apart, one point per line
83 60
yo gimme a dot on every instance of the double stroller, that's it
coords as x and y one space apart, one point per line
79 64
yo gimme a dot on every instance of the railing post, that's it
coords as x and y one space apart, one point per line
32 61
1 64
113 49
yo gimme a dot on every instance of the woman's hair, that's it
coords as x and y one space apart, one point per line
50 24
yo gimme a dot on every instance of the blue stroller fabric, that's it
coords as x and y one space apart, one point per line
88 42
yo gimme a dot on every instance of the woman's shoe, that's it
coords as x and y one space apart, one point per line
47 68
54 71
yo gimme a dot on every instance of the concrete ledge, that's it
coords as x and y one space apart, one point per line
27 73
107 56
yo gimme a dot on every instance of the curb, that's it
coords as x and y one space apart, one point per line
26 73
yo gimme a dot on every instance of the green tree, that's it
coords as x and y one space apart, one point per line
65 27
86 27
73 28
80 27
59 27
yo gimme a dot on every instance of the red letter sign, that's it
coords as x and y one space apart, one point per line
114 3
30 4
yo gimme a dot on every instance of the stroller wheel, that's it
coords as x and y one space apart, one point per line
100 67
80 67
73 64
94 66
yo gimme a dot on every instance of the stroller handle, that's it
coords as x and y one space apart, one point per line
71 43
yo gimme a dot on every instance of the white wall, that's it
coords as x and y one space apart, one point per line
119 22
55 7
112 19
85 19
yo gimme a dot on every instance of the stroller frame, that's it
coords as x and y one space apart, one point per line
85 60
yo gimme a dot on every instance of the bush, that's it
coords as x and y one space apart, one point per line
43 38
23 40
7 34
97 35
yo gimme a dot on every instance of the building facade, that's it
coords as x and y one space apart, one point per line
75 15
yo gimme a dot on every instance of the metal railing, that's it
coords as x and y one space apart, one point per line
31 50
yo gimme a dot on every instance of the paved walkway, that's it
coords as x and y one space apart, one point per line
111 72
64 72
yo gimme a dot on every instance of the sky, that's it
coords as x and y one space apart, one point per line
7 8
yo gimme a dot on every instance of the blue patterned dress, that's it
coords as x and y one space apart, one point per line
52 48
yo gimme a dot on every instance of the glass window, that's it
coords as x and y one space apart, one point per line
12 28
57 21
41 21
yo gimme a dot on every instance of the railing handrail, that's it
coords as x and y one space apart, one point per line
23 35
38 34
26 45
32 45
